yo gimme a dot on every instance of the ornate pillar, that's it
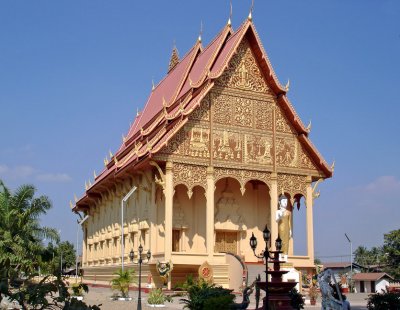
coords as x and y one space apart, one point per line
84 245
169 195
310 223
152 219
210 213
274 203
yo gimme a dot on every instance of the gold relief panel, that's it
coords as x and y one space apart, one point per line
202 112
263 115
282 124
190 141
189 175
243 71
223 109
242 112
227 146
286 152
292 184
305 160
258 149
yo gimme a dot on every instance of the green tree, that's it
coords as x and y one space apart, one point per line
21 232
391 248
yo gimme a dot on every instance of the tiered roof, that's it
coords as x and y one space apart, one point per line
179 93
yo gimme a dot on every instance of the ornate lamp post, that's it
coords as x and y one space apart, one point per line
265 255
140 261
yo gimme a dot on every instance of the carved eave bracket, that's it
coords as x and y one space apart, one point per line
158 181
315 193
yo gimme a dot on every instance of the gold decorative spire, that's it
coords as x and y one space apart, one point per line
123 138
309 127
152 84
137 112
94 174
109 153
333 166
86 186
230 15
250 17
201 31
174 58
90 183
287 85
70 204
75 198
105 161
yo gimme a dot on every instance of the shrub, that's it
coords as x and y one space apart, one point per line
384 301
202 294
122 280
78 289
157 297
296 299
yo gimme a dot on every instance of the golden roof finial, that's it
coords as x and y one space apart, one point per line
110 154
123 138
75 198
152 84
174 60
116 160
105 161
86 186
250 17
309 127
70 204
201 31
287 85
230 14
333 166
94 174
137 112
164 103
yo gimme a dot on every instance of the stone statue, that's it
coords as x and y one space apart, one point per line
328 301
164 270
283 218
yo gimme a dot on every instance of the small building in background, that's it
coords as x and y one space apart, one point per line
371 282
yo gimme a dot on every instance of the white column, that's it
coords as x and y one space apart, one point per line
210 214
169 195
274 205
310 223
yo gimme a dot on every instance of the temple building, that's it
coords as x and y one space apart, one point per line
216 144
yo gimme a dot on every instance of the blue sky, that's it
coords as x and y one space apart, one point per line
73 73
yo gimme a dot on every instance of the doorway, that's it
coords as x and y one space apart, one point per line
226 241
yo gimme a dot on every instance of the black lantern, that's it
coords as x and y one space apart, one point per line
253 242
131 255
140 250
148 255
266 234
278 243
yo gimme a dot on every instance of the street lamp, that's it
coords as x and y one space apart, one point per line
140 261
265 255
351 262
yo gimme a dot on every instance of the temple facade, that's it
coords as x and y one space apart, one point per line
215 145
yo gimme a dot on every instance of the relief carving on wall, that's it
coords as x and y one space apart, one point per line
258 149
286 152
227 212
202 112
263 115
305 160
227 145
243 71
282 124
292 184
190 176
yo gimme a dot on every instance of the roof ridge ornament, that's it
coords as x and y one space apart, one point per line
201 31
333 166
230 14
250 17
287 85
152 84
174 60
308 129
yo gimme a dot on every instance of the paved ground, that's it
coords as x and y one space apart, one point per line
99 295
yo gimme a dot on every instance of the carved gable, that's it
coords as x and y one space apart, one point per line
243 72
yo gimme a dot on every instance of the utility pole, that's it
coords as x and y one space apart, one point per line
351 262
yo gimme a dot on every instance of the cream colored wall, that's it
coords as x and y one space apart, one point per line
194 210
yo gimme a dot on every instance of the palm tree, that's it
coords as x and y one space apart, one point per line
20 230
122 280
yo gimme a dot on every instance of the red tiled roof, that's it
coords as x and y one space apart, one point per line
175 97
371 276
